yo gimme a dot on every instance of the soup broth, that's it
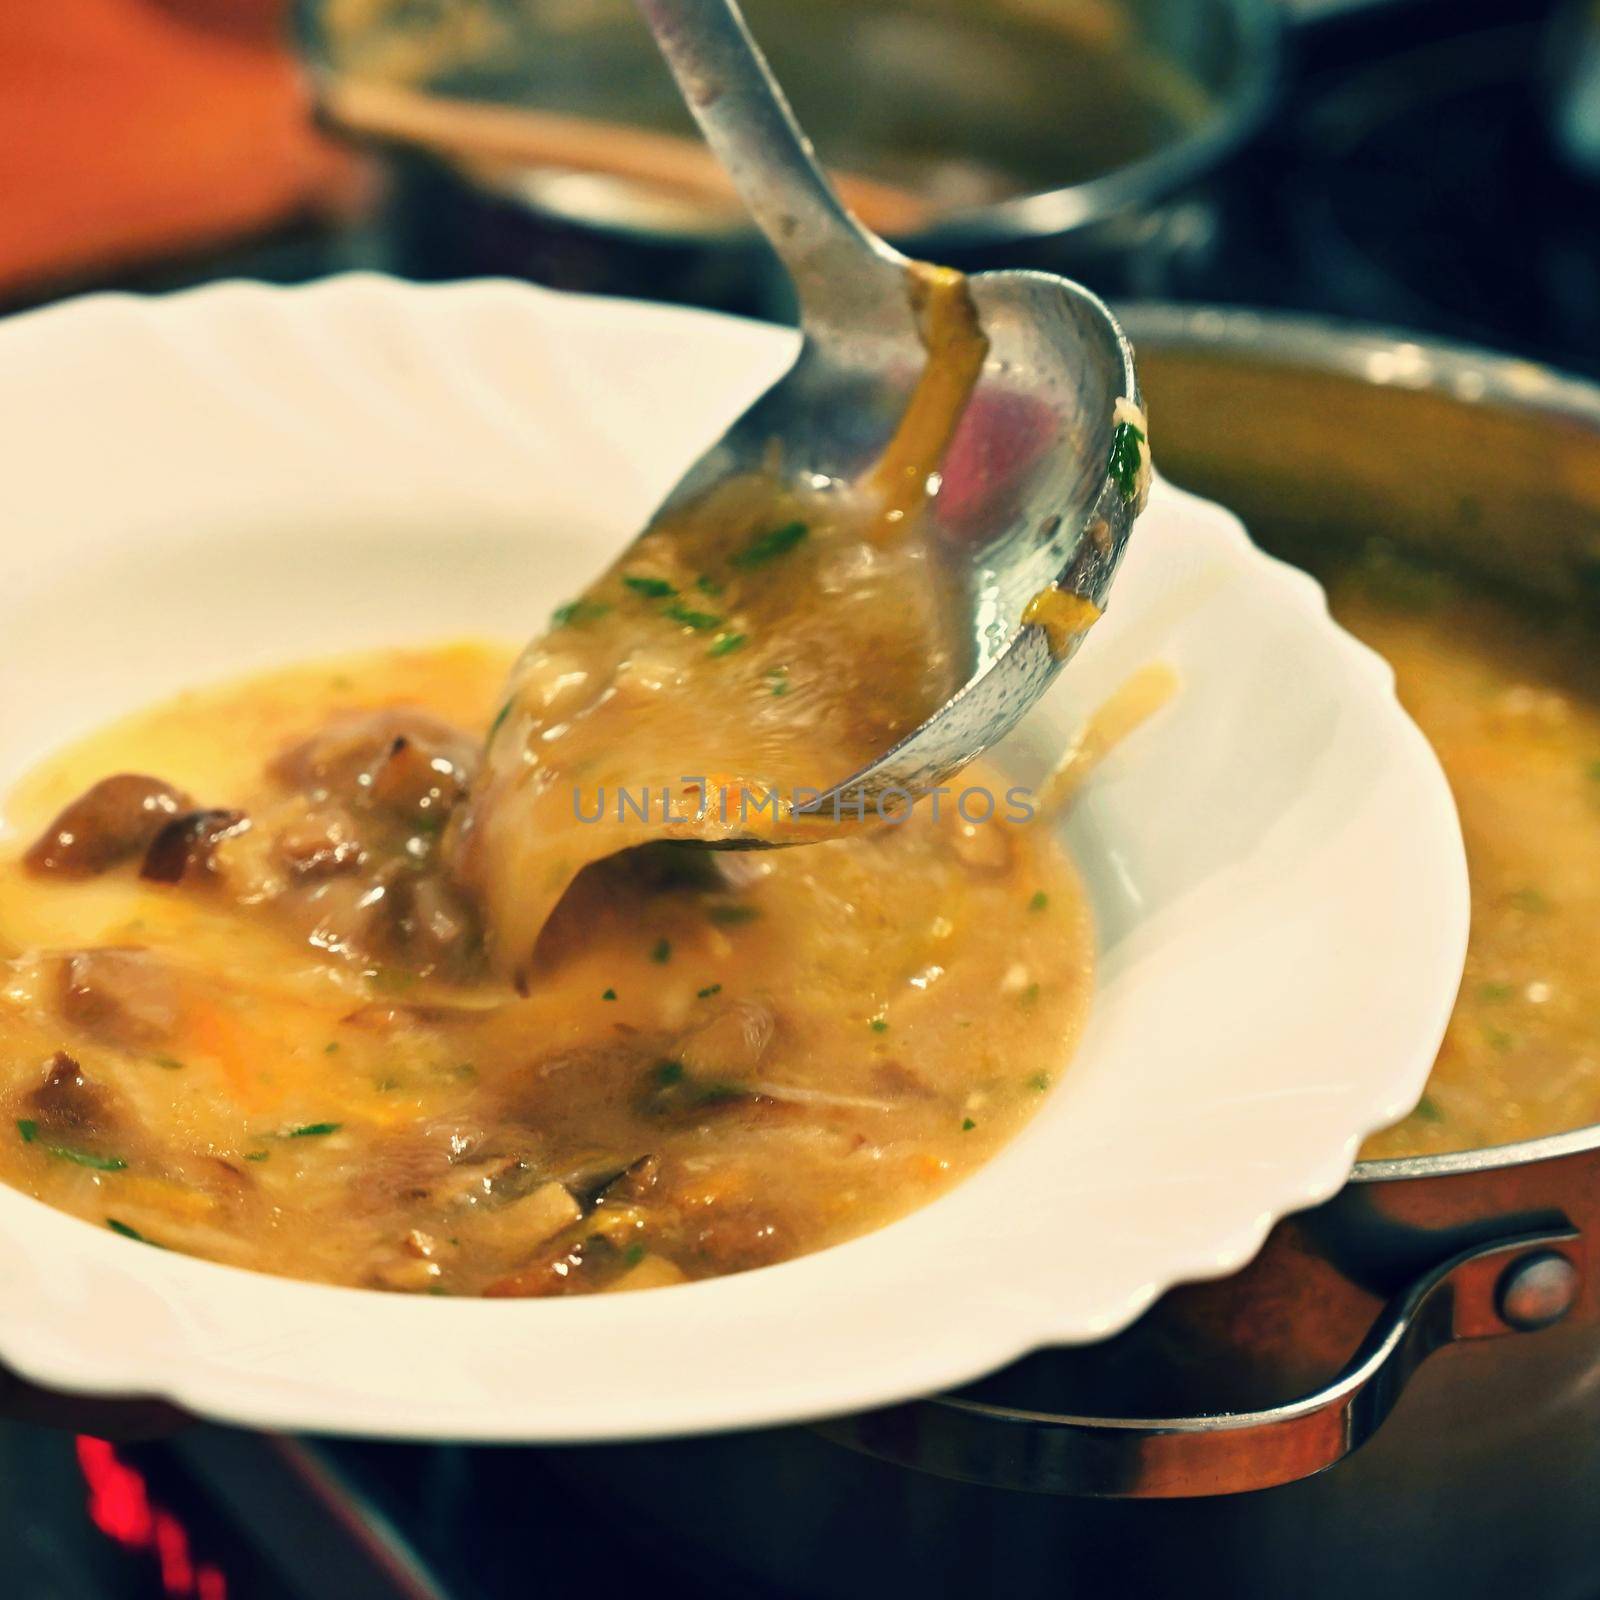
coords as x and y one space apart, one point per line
272 1037
1511 702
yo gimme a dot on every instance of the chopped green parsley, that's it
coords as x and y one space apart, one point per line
650 588
131 1233
700 621
578 611
1126 462
768 546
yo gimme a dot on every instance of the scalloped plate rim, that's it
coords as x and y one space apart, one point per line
225 1382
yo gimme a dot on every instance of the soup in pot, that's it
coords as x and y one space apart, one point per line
1511 703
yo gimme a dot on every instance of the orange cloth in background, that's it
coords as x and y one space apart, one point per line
135 129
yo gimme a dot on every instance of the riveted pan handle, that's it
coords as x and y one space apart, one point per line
1515 1285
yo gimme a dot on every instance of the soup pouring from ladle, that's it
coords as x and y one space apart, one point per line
896 357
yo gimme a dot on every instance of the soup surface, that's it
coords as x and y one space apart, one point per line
740 658
388 973
246 1008
1511 702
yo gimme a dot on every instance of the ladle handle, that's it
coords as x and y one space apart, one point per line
841 271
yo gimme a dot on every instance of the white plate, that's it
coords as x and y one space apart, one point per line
202 484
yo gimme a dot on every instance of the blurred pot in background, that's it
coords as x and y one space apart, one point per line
544 137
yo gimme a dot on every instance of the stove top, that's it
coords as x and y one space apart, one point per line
219 1514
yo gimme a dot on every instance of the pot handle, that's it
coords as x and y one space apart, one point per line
1515 1285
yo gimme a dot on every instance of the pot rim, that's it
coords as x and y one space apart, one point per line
1050 213
1390 357
1395 358
1043 214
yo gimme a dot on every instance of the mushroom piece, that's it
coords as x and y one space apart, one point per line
186 847
630 1185
436 1160
411 1269
481 1183
320 844
524 1224
398 760
433 924
341 915
406 1275
108 823
67 1103
415 780
564 1267
652 1272
124 997
737 1237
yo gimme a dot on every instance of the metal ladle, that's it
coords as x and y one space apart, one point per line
1053 467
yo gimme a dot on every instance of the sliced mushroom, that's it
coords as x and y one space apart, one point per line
125 997
900 1082
524 1224
186 847
397 759
436 1161
432 923
737 1237
633 1184
68 1103
412 1269
415 781
568 1266
320 844
671 1092
107 824
485 1182
406 1275
652 1272
341 915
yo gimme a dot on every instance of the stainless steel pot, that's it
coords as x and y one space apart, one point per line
864 75
1402 1394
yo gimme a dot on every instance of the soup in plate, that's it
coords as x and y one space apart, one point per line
247 1012
436 970
403 972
